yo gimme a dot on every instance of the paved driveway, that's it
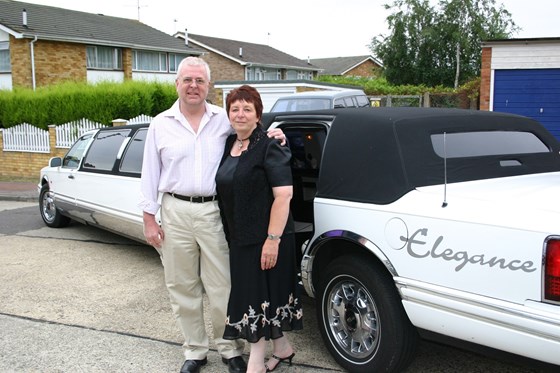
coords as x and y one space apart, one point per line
80 299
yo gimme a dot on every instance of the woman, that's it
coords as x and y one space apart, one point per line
254 183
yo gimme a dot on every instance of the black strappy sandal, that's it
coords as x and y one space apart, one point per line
280 360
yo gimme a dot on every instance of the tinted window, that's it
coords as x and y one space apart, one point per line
338 103
132 159
362 101
306 145
104 149
349 102
475 144
74 156
301 104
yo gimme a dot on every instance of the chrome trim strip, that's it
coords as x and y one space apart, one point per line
479 302
312 249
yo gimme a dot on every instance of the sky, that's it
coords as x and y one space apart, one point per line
301 28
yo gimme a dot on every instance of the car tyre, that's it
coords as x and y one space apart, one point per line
361 318
49 212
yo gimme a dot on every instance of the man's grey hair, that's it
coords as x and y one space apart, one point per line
193 61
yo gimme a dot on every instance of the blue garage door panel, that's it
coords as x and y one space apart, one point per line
533 93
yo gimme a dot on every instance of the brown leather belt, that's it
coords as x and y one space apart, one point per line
195 199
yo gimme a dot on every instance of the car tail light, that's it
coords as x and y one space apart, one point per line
552 271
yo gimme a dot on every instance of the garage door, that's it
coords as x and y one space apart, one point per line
533 93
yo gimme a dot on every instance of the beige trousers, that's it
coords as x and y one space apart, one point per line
195 258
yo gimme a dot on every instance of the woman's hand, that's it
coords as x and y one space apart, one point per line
269 254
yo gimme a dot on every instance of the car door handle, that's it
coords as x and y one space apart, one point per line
70 176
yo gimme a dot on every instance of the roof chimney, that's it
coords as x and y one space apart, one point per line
186 38
241 52
24 18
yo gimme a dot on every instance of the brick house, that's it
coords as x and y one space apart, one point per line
522 76
240 60
42 45
361 66
272 72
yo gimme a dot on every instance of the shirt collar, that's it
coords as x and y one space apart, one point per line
210 110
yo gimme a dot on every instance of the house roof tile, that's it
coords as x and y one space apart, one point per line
251 53
340 65
52 23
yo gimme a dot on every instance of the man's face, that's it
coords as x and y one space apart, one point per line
192 85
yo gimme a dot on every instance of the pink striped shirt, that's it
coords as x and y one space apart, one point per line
178 160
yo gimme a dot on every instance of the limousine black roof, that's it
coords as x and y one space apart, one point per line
377 155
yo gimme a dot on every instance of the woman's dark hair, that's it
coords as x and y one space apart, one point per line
248 94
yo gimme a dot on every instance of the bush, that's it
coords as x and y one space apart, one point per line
70 101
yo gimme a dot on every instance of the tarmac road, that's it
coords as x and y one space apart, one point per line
80 299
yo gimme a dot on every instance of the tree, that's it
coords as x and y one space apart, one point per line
439 45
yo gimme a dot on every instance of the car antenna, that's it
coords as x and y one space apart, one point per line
444 204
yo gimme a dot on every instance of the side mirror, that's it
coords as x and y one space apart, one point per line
55 162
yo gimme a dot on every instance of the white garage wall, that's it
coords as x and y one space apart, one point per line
541 55
270 92
269 95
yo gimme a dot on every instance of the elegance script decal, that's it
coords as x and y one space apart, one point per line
416 247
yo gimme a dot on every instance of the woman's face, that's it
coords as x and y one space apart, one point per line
243 116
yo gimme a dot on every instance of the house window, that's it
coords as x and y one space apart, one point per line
272 74
5 66
291 74
249 73
106 58
174 60
149 61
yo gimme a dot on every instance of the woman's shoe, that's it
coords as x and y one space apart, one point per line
280 359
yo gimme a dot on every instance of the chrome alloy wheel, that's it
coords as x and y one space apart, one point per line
353 319
48 207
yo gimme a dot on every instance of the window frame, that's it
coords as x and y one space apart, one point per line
5 47
116 60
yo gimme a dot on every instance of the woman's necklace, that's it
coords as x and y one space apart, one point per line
240 142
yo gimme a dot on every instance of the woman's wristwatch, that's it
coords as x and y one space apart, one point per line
273 237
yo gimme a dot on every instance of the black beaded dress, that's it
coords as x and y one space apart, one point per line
262 303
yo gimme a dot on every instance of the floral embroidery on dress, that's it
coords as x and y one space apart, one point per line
252 318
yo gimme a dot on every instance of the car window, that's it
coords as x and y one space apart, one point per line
134 153
362 101
349 102
338 103
301 104
74 156
486 143
306 144
104 149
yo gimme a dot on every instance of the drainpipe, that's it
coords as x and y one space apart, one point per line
33 61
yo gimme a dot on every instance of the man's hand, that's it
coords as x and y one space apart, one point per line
278 134
152 231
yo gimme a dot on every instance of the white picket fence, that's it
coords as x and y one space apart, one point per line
28 138
68 133
141 119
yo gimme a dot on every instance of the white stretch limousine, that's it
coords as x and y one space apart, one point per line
414 221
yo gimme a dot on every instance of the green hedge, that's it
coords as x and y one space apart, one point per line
380 87
67 102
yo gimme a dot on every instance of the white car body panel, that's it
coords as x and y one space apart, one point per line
455 297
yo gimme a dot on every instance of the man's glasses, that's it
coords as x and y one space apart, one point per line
197 81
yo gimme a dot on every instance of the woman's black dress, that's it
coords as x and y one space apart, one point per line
261 303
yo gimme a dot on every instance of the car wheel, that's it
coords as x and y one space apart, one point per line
50 214
361 318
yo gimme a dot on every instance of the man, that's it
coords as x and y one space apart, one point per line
183 148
